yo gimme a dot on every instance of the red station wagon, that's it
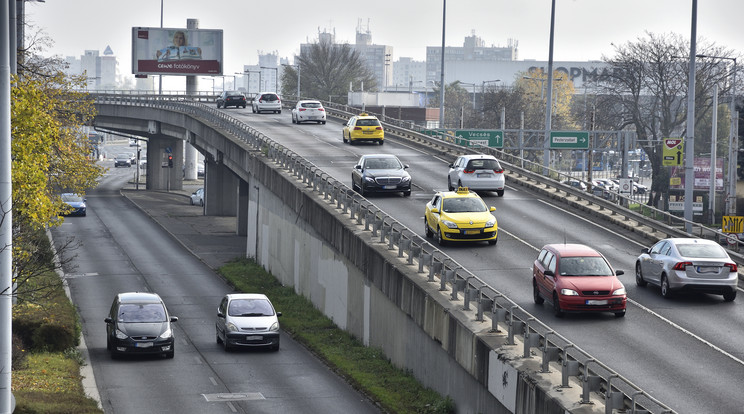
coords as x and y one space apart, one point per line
577 278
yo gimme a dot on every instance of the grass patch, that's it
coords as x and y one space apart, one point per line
366 369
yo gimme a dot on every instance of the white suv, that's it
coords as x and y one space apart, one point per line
478 172
267 101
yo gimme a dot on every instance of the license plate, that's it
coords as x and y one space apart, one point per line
389 187
707 269
472 231
484 175
253 338
596 302
367 132
143 345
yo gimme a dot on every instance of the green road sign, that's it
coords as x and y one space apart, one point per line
482 137
569 139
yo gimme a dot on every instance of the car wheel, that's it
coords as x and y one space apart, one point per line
536 293
500 193
666 292
217 335
493 242
407 193
440 237
557 306
459 183
275 347
218 105
344 137
201 202
253 109
381 142
427 230
323 122
639 276
279 111
730 295
225 345
293 120
362 191
620 314
191 200
449 184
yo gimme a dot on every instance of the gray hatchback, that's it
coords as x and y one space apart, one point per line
246 320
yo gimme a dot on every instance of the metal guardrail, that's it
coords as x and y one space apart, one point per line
617 391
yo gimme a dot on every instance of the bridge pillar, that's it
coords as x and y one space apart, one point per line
190 158
220 190
243 200
158 176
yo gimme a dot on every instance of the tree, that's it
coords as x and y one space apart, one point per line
326 71
457 103
646 89
49 155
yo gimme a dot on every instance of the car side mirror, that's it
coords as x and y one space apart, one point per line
619 272
358 167
492 208
108 320
278 314
220 314
435 210
405 166
645 250
174 319
549 273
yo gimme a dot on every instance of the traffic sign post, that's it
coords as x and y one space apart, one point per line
482 137
732 224
672 152
569 140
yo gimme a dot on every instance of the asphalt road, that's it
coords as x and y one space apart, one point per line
152 241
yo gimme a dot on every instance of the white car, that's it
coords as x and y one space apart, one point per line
197 197
478 172
308 111
267 101
246 320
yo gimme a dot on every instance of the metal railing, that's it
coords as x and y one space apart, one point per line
466 288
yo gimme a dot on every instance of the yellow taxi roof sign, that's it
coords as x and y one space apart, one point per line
463 190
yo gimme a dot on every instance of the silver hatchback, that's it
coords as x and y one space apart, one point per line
688 264
247 320
478 172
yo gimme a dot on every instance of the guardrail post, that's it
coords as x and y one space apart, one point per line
457 286
405 245
383 230
467 294
415 252
394 239
550 353
613 399
589 383
531 339
633 408
434 269
483 304
569 368
425 258
514 326
447 275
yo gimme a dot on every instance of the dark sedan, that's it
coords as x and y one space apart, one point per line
231 98
139 323
381 173
76 205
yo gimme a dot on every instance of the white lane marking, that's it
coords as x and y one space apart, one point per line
213 381
647 310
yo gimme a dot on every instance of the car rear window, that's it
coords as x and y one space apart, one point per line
483 164
368 122
269 97
312 105
712 251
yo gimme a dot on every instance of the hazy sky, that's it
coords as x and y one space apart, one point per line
584 29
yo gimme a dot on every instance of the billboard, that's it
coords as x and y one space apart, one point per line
163 51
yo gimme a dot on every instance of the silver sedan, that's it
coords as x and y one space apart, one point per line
688 264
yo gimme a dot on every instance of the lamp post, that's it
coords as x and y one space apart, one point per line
441 78
733 142
160 77
276 75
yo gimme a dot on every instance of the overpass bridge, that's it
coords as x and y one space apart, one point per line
301 224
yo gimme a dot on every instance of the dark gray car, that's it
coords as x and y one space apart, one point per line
381 173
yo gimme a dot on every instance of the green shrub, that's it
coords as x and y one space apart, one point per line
18 353
51 327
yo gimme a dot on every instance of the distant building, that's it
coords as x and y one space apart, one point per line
100 71
408 75
473 50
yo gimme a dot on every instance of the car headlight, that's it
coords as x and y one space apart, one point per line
231 327
569 292
369 179
405 179
166 334
619 292
491 223
274 327
121 335
449 224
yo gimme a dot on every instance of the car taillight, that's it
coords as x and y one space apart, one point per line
303 109
498 171
732 267
260 100
468 171
357 128
378 128
321 109
682 265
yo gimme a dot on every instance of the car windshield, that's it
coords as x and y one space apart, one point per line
71 198
484 164
250 307
383 164
463 205
584 266
367 122
711 251
141 313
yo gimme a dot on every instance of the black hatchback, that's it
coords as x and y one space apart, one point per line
139 323
231 98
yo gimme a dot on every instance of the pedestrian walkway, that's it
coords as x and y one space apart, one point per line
213 239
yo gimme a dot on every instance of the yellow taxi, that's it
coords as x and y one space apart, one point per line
460 216
364 127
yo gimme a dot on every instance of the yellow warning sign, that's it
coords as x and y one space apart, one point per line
732 224
672 152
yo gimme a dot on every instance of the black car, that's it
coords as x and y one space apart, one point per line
76 204
381 173
139 323
231 98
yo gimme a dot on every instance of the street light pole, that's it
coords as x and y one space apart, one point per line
733 142
160 77
441 81
549 106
